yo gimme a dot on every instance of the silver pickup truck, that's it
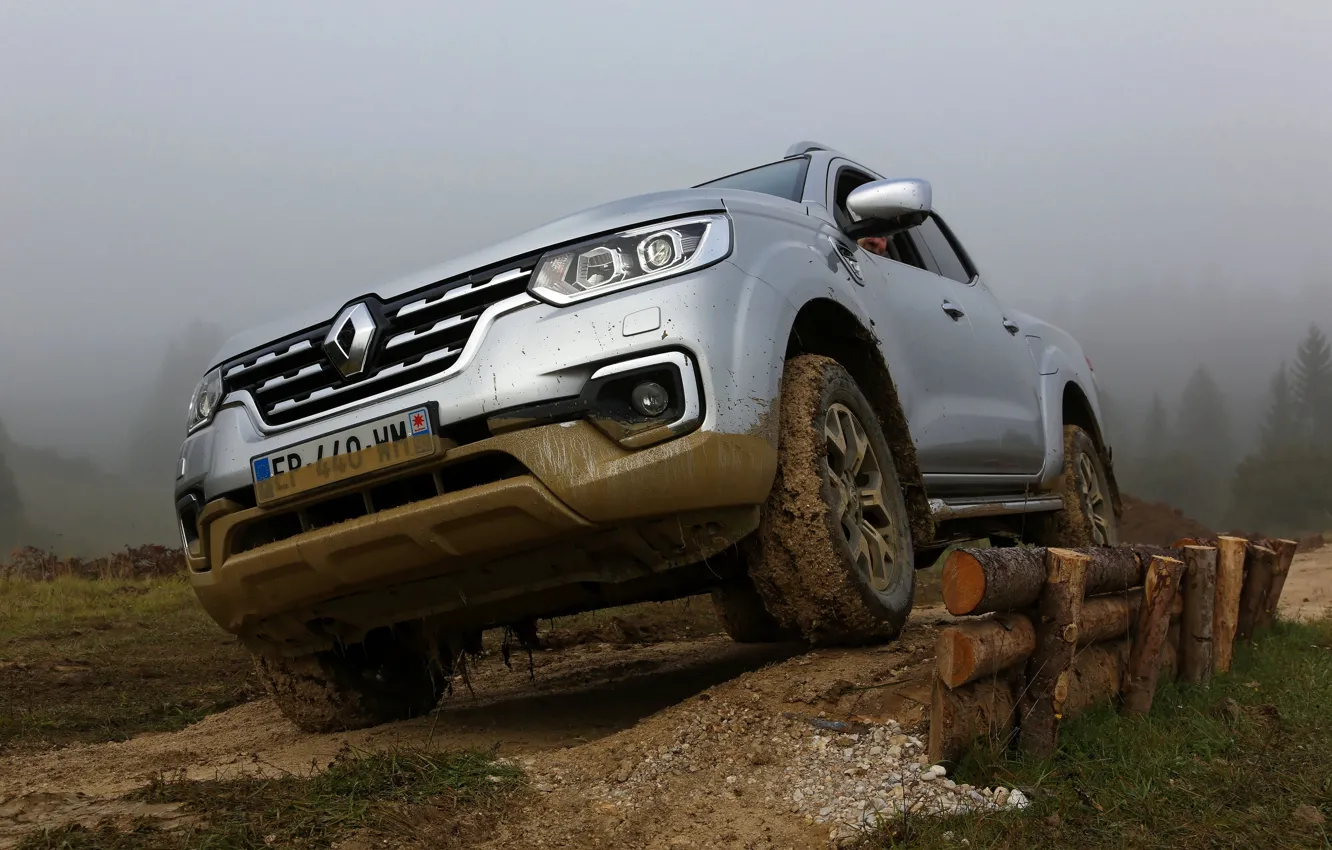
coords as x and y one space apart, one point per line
790 387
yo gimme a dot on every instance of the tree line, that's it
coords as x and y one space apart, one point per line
1188 457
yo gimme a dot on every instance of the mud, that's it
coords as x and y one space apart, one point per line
803 577
1071 526
1157 524
573 721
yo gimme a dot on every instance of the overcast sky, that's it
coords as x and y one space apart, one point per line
167 161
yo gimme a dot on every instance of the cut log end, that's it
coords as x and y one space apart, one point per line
970 650
963 583
956 657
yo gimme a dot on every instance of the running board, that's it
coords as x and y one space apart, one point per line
943 509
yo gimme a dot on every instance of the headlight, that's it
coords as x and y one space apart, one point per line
203 404
630 258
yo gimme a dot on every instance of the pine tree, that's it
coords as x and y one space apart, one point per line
1204 422
1312 379
12 523
1194 475
1156 430
1281 425
1143 476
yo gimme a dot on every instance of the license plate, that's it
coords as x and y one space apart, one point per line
352 452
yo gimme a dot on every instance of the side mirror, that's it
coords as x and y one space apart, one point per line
886 200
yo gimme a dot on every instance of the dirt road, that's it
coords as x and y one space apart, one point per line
686 743
595 727
1308 591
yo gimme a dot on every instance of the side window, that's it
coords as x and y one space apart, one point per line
847 180
897 247
946 260
906 250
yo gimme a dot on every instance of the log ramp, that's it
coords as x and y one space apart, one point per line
1055 632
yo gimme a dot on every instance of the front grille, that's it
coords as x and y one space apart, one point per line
419 334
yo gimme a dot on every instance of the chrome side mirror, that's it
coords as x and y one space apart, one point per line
885 200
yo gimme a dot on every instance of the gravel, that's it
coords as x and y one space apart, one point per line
858 780
847 777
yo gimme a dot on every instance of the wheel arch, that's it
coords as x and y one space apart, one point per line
1077 410
824 326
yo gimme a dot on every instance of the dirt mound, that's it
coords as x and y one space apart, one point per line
644 623
598 727
1157 524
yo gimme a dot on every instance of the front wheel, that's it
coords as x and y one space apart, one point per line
833 559
351 687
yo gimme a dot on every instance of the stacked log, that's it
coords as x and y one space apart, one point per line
1055 632
1153 624
1199 613
1229 585
1060 611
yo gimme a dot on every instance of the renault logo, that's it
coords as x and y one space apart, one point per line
348 343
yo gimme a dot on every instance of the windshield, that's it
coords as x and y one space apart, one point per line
785 179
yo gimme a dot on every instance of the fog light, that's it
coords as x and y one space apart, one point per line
650 399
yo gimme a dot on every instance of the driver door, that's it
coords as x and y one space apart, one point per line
928 351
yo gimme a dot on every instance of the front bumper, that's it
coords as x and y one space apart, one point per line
494 528
571 507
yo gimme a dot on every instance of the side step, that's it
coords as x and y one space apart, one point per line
964 508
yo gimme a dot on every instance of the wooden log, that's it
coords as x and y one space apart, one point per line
1058 612
1199 592
1285 550
1170 653
1097 675
969 651
1229 583
1192 541
1108 617
1144 662
980 581
985 710
1259 567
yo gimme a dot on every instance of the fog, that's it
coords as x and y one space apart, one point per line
1153 176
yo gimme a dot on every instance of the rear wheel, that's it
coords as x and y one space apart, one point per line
377 681
1088 517
832 559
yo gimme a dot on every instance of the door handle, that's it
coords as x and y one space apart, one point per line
1010 327
954 312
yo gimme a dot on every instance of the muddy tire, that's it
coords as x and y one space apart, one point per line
744 616
832 559
1088 516
354 687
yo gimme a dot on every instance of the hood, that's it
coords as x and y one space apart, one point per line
617 215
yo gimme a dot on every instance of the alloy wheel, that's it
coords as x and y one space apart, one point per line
1093 497
860 500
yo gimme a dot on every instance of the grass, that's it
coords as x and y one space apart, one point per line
405 797
84 660
1245 762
